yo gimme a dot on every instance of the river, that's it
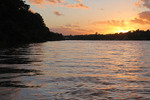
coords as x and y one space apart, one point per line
76 70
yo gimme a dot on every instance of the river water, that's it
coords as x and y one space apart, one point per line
76 70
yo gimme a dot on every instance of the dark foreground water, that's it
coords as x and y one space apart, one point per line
76 70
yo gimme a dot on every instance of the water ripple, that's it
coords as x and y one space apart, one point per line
76 70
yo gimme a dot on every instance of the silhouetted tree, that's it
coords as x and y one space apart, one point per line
19 25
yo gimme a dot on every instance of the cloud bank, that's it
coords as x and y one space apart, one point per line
143 3
143 17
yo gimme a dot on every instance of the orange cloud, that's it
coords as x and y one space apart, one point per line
37 1
54 1
77 5
80 1
32 10
62 3
43 1
138 3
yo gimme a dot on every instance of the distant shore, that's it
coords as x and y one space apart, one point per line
134 35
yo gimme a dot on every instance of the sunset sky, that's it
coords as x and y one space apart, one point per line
89 16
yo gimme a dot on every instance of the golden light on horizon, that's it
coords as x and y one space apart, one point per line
122 29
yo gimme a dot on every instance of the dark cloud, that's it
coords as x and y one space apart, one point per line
144 3
58 13
140 21
145 15
143 18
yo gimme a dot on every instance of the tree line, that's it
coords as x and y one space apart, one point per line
130 35
19 25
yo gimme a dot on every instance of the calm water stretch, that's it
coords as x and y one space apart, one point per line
76 70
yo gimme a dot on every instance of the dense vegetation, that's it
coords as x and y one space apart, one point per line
19 25
134 35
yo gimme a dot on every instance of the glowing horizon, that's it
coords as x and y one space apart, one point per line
77 17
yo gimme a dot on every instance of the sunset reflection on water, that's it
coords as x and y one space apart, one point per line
77 70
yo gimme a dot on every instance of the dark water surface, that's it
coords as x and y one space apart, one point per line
76 70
